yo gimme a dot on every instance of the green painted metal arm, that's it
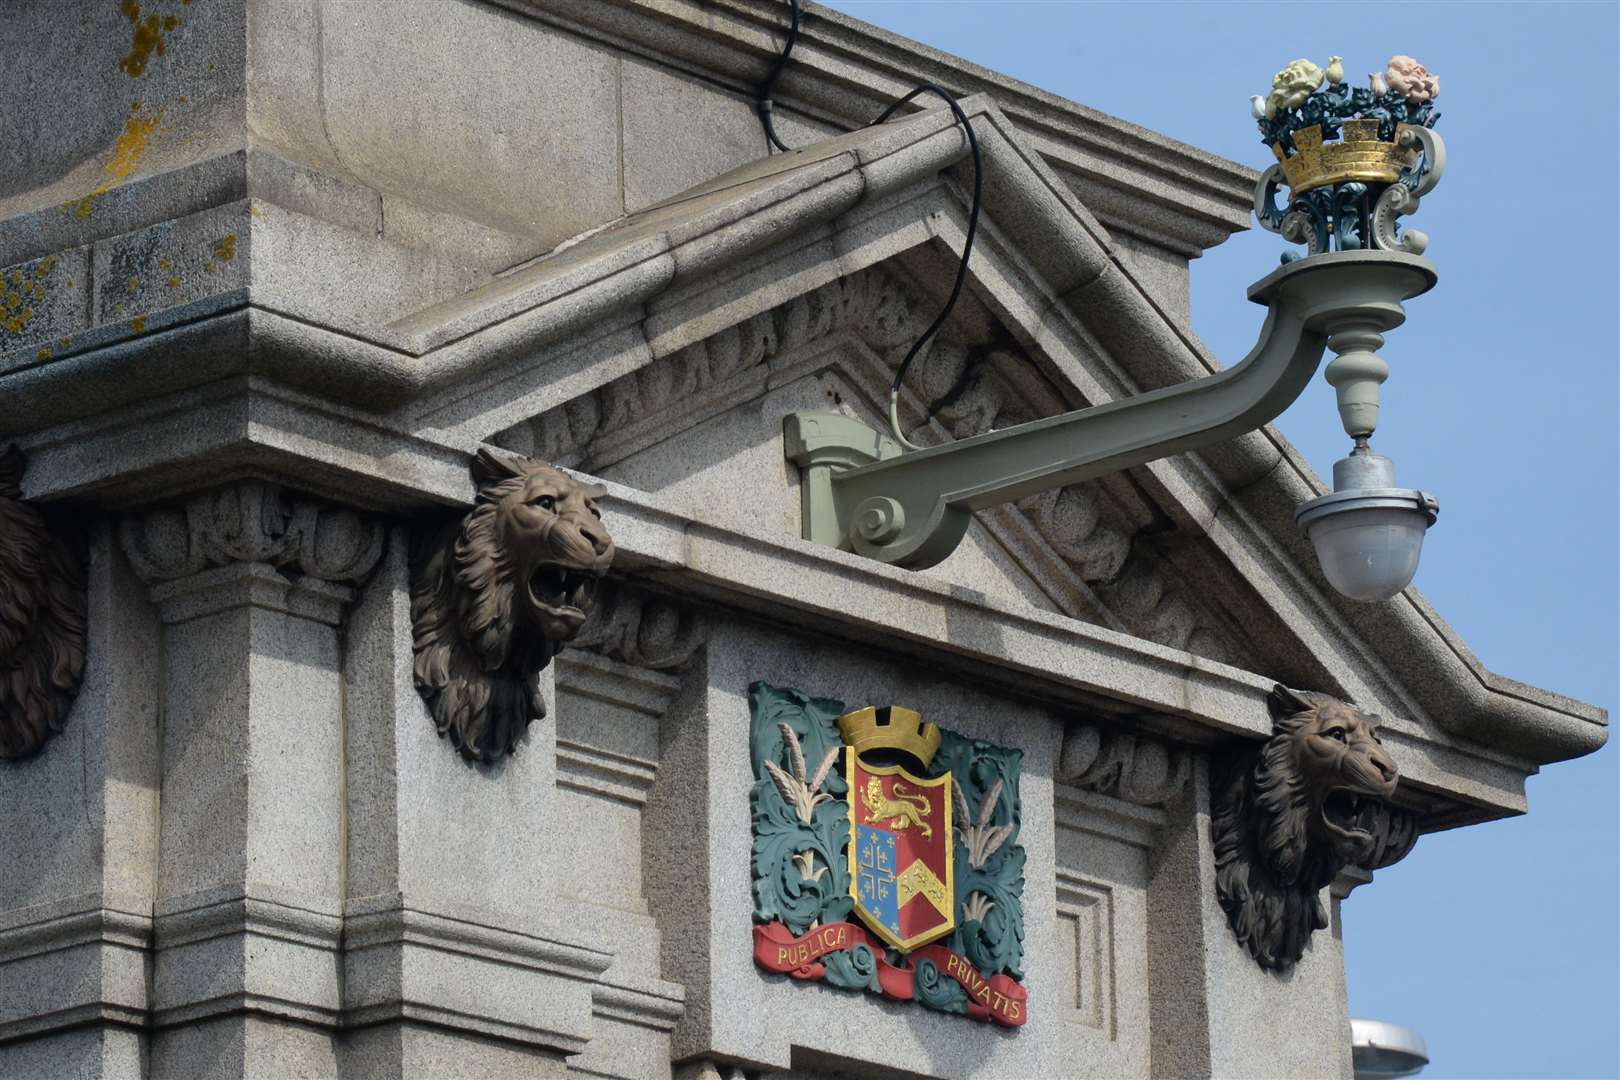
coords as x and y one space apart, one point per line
912 509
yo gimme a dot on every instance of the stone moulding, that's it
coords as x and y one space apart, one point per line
1287 819
43 601
496 593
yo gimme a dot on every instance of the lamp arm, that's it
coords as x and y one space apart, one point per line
912 509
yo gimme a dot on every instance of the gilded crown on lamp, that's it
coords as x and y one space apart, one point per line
1353 159
893 728
1359 155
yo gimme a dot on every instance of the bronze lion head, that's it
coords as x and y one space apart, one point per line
1287 820
495 596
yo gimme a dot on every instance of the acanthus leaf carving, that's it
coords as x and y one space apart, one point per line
642 628
254 521
1137 768
43 602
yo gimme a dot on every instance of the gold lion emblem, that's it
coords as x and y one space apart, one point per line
906 808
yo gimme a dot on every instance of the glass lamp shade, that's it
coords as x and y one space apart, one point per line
1368 534
1369 552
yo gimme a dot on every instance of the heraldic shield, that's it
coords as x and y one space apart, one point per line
901 844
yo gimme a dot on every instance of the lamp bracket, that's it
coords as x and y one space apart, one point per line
862 492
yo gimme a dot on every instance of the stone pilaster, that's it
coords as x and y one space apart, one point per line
78 848
251 584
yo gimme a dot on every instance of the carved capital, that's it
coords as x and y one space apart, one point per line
1137 768
1289 817
43 599
496 593
253 521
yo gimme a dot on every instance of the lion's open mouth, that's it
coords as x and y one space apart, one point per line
1350 813
563 590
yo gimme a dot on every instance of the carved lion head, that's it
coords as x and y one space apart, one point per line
1286 821
494 598
42 619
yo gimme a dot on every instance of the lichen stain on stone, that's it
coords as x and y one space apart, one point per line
138 324
134 284
44 353
224 252
148 37
16 289
127 153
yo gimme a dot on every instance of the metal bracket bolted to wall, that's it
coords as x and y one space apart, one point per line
861 492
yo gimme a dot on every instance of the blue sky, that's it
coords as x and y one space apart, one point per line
1498 942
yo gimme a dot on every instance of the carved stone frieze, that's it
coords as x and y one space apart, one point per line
1089 530
497 592
42 617
641 628
1127 765
253 521
1288 817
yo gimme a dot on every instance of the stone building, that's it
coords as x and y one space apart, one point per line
275 273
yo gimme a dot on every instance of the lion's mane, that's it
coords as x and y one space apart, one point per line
1271 862
475 661
42 618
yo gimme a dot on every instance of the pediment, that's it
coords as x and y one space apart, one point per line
820 289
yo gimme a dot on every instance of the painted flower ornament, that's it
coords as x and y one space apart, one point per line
1292 85
1411 80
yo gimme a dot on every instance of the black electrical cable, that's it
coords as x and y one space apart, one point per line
765 115
766 88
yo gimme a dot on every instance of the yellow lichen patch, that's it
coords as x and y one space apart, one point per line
44 353
147 37
127 153
64 343
46 265
15 322
138 324
134 284
225 248
173 282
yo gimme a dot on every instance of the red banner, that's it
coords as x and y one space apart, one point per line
997 998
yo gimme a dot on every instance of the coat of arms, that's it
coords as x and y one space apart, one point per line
898 873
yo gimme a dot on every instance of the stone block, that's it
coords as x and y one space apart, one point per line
680 132
244 1047
406 1049
44 303
542 156
141 273
104 1052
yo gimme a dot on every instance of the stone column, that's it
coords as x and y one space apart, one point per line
251 584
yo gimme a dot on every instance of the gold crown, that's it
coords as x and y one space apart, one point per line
898 729
1359 155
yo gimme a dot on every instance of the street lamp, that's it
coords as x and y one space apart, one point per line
866 492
